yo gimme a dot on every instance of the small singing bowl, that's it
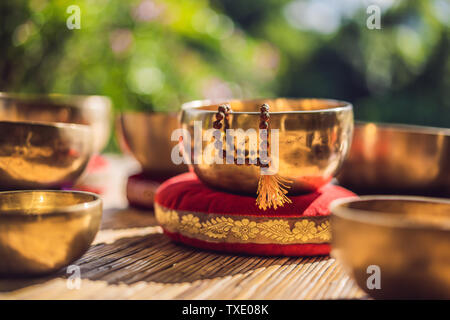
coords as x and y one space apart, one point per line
147 136
314 137
398 159
44 231
42 155
94 111
396 247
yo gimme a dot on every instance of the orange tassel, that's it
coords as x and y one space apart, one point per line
272 190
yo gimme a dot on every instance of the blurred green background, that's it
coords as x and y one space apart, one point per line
156 54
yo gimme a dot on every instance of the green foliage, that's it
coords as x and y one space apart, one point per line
145 58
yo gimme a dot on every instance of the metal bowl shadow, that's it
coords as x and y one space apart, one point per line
400 241
314 137
43 231
398 159
94 111
42 155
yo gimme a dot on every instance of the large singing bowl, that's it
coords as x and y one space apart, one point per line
147 136
395 247
314 137
399 159
94 111
42 155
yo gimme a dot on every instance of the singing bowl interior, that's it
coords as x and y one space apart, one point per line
314 137
42 155
399 159
43 231
148 137
408 238
94 111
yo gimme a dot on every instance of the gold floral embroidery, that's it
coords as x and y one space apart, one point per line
217 227
323 231
226 229
278 230
245 229
172 218
304 230
169 218
190 223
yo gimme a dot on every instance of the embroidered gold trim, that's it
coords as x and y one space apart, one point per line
245 229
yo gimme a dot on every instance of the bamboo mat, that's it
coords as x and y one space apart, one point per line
131 259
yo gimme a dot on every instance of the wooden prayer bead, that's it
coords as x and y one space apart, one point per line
263 125
222 109
220 116
264 108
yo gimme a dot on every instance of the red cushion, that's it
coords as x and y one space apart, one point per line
194 214
141 190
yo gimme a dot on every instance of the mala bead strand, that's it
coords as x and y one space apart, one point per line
227 116
217 124
222 114
227 126
272 189
264 125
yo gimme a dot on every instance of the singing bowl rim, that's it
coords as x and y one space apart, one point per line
405 128
70 209
339 208
122 114
197 105
57 125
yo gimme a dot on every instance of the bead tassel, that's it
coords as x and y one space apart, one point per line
272 189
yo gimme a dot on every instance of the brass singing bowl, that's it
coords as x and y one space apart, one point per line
42 155
43 231
406 237
94 111
147 136
314 137
399 159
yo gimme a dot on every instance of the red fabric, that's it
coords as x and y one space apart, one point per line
144 178
96 163
293 250
187 192
82 187
141 191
